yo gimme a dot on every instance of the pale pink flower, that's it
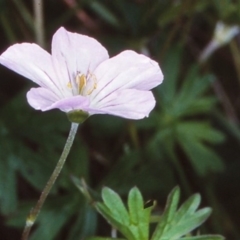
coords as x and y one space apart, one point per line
223 34
79 75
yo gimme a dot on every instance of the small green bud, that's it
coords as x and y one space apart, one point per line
77 116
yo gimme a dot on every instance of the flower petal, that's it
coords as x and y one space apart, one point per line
41 98
127 103
73 103
125 71
75 53
32 62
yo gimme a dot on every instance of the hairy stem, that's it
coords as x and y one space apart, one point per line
36 210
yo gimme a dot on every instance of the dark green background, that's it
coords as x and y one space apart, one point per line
191 139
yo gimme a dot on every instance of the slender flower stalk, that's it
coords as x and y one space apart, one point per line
36 210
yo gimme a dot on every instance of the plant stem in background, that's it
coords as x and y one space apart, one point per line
178 167
25 14
226 103
236 57
39 22
36 210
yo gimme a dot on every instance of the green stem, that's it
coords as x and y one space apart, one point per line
39 29
36 210
180 172
178 166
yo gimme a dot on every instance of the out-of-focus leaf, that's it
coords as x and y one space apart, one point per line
200 132
171 67
35 169
225 8
171 13
10 34
102 238
8 192
204 237
85 224
195 107
52 220
203 158
105 13
194 85
28 19
18 219
189 100
87 192
149 164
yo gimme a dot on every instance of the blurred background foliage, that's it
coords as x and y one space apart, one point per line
191 139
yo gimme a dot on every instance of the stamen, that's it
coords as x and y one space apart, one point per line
86 84
81 82
94 79
91 90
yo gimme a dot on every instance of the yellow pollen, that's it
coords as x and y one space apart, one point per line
69 85
86 84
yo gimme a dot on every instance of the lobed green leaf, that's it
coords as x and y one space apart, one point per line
168 214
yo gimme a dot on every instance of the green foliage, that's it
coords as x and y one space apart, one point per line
101 238
177 223
133 223
179 106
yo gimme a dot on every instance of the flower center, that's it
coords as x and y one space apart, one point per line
85 84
